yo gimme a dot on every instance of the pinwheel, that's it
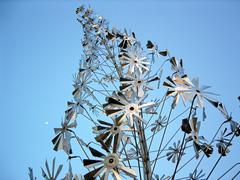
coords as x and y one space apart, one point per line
196 175
99 25
159 124
85 68
119 105
137 84
177 66
127 40
70 175
207 149
30 174
74 109
186 126
235 127
51 175
174 152
107 132
223 143
134 60
81 85
178 87
163 177
195 126
80 9
131 153
88 12
111 34
106 165
63 136
154 49
201 93
223 110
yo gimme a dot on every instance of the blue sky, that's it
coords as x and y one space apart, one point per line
40 50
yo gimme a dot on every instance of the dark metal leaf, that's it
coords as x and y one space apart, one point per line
170 80
101 127
87 162
115 143
102 137
167 84
91 174
96 153
104 122
118 120
114 101
154 79
124 79
54 140
111 111
123 87
109 141
186 126
163 53
149 44
104 146
214 103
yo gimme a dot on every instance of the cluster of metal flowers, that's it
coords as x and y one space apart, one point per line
120 81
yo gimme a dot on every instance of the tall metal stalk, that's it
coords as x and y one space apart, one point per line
144 151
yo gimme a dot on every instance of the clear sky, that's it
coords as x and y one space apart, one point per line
40 49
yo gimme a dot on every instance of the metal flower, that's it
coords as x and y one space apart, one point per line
159 124
30 174
174 152
196 176
109 133
223 110
138 84
223 143
201 93
85 68
74 109
186 126
207 149
235 127
177 66
195 126
154 49
163 177
127 40
105 165
51 176
134 60
178 87
119 105
81 85
63 136
70 175
132 153
80 9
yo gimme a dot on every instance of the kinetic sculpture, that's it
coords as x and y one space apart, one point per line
136 116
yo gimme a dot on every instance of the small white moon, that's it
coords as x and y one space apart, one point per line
46 123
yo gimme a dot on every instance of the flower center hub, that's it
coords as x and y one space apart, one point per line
115 129
111 161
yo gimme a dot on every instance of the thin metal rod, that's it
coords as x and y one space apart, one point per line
220 157
159 149
182 149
